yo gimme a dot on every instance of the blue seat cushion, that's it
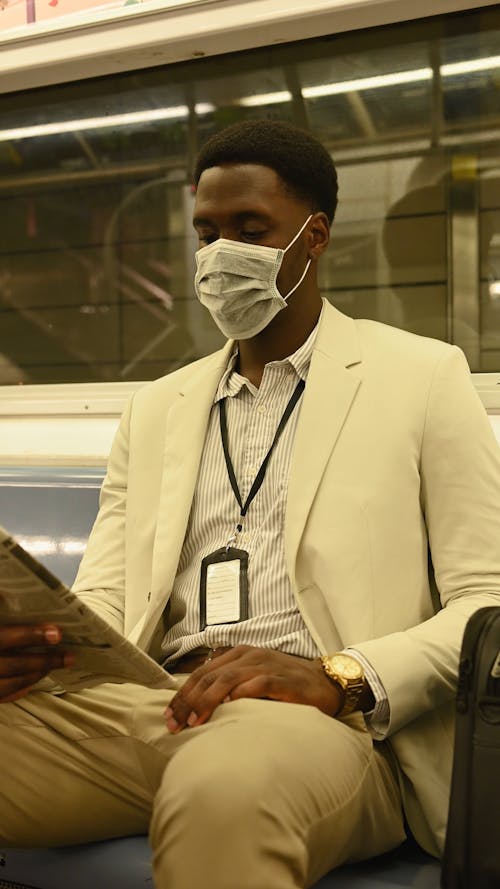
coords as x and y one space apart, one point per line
123 863
402 868
126 863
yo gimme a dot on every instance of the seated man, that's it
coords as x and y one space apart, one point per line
271 524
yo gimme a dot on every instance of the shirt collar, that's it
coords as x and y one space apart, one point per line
232 382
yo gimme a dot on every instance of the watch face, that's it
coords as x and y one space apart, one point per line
346 666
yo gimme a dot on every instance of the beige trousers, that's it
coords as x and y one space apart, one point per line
266 795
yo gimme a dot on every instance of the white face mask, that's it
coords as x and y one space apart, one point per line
237 284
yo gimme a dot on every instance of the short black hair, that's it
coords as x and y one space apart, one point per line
303 163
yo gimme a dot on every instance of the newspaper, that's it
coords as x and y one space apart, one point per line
30 594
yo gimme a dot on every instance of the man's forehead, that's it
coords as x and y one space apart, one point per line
239 189
229 178
242 172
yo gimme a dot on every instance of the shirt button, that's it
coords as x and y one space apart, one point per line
262 409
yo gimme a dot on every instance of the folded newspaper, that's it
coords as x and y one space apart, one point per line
30 594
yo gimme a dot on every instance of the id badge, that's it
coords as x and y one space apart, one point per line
224 587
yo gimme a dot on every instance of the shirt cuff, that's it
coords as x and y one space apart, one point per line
377 720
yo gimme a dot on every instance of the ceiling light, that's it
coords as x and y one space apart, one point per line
265 99
367 83
396 78
99 123
486 64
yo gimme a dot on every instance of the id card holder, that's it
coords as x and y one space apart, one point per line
224 587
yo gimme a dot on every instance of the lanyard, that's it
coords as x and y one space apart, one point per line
259 478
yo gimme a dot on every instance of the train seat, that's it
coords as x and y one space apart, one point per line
63 502
126 863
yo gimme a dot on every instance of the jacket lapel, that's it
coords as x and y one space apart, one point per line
328 396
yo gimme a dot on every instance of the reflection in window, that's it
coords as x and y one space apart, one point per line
96 244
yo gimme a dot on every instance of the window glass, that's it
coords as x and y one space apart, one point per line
96 243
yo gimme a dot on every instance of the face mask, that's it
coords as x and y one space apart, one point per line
237 284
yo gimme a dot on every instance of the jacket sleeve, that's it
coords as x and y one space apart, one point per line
460 499
100 581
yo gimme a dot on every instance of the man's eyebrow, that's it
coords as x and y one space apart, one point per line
244 216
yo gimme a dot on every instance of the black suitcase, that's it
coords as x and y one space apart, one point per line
472 848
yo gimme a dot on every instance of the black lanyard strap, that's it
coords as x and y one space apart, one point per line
259 478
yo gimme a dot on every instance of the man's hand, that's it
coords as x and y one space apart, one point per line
27 654
249 672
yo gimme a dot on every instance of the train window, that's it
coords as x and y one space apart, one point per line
96 244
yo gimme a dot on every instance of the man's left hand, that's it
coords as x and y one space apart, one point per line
248 672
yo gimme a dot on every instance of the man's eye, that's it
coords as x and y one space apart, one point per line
253 235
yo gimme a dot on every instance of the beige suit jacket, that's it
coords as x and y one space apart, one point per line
393 454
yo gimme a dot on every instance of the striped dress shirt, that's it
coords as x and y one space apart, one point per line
274 620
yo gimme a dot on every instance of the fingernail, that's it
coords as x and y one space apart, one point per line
172 725
192 718
168 713
52 635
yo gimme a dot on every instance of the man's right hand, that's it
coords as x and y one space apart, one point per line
27 654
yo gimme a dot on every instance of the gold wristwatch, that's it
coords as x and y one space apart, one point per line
348 674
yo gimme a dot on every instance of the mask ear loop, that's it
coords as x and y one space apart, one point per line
292 242
304 273
299 282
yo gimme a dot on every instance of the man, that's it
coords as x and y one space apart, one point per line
276 759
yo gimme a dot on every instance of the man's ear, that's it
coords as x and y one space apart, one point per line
318 232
